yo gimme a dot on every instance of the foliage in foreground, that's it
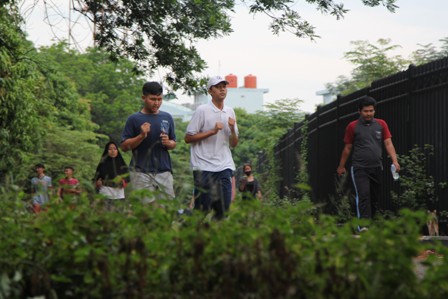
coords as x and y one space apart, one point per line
260 251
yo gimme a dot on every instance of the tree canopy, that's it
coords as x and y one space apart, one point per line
19 80
162 34
112 89
375 61
42 116
430 52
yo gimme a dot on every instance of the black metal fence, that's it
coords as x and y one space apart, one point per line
414 103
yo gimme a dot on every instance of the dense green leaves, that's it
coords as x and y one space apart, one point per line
37 104
158 34
417 188
111 89
63 147
260 251
19 119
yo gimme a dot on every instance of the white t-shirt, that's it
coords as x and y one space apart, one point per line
212 153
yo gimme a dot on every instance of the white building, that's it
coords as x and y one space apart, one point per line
328 97
248 96
177 110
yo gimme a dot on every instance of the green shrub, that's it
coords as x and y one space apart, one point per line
417 186
259 251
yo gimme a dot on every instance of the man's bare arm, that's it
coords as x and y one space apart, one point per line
344 156
390 149
131 143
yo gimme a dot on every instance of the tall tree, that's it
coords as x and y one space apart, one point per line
39 107
430 52
112 88
371 62
163 33
19 119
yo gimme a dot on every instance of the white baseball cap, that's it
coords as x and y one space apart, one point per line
215 81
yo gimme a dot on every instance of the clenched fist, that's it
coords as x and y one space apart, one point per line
232 124
218 126
145 129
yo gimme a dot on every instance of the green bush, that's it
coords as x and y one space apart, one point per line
259 251
417 186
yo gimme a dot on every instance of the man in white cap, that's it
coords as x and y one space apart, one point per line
211 132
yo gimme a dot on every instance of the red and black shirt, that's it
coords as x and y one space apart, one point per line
367 138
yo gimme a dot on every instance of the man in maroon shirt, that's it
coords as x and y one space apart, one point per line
69 187
365 137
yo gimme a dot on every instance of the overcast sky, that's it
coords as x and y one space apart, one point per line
288 66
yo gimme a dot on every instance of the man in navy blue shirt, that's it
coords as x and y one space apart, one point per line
150 134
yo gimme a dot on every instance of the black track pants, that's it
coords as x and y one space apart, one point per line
367 183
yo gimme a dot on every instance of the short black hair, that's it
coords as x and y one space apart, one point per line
366 101
39 165
69 167
153 88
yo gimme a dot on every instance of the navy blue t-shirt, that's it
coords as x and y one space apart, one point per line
150 156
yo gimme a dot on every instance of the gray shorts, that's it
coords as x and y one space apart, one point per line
162 182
